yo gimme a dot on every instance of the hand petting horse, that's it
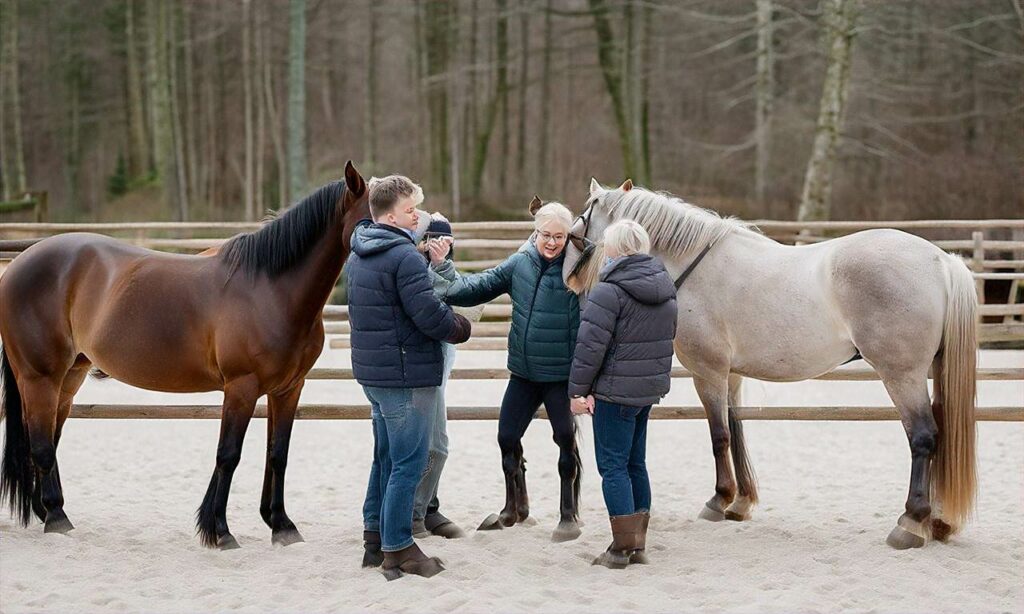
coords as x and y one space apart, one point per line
247 320
753 307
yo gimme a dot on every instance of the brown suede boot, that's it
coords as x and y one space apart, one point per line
639 556
372 556
410 560
626 532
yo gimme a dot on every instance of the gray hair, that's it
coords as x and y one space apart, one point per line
626 237
386 191
552 212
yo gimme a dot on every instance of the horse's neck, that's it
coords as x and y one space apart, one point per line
312 282
737 241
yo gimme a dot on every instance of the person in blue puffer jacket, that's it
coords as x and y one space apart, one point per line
398 324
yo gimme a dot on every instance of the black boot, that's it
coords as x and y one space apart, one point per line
372 556
410 560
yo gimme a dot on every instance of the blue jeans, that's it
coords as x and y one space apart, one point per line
426 493
401 437
620 442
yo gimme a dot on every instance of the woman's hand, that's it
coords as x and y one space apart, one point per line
581 405
438 250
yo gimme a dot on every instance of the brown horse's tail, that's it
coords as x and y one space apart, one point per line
17 476
953 479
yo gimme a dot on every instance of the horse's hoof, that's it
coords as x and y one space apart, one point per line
286 537
227 542
941 530
906 534
491 523
566 531
529 521
612 559
58 524
731 515
711 514
507 519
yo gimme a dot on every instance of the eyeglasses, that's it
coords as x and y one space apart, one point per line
547 237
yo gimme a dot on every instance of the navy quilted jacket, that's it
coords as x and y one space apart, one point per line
545 314
397 321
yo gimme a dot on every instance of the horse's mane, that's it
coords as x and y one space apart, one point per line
285 240
676 227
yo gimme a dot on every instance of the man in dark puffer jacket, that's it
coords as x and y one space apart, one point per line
623 359
397 325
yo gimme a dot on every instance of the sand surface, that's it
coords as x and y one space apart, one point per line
830 493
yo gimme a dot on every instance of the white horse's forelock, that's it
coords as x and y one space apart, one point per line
676 227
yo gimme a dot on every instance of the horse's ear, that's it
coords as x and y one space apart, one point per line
594 185
535 205
353 180
627 185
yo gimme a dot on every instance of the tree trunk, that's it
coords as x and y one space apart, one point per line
16 153
297 100
6 168
276 135
764 92
542 172
160 95
483 139
438 20
191 116
370 127
261 110
177 133
524 73
250 201
613 79
138 148
838 20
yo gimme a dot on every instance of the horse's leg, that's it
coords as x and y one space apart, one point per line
746 481
41 396
282 408
713 395
72 382
563 428
211 519
910 394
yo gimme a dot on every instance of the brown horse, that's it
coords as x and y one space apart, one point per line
247 321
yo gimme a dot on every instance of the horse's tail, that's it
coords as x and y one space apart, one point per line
953 479
578 461
17 476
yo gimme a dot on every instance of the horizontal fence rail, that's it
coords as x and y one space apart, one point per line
659 412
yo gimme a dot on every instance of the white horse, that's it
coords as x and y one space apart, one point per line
756 308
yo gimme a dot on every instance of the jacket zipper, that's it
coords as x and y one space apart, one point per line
529 318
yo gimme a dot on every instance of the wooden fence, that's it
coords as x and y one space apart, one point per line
994 249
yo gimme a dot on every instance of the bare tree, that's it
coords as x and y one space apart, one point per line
764 93
838 21
247 104
297 100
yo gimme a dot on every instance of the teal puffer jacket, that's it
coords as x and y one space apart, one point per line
545 314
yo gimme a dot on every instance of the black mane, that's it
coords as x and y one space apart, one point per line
285 241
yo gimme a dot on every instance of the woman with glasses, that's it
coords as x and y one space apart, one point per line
545 318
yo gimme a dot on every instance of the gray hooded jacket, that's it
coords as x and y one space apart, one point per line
624 348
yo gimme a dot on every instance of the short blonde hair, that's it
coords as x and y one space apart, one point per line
626 238
550 213
386 191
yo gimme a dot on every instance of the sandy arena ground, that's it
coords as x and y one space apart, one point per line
830 494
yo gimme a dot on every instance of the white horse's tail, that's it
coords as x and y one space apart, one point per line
953 477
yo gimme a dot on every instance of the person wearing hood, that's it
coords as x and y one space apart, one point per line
621 367
397 325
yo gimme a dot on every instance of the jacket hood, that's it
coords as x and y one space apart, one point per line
369 239
643 277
